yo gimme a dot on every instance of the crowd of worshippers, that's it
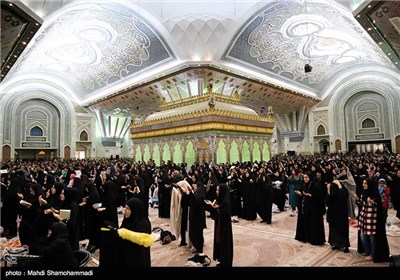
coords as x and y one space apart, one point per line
350 189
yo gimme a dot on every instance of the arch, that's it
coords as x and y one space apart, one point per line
222 156
67 152
382 83
324 146
166 155
367 107
81 152
156 154
338 145
36 131
6 153
146 153
38 115
30 126
234 152
321 130
190 155
256 152
138 154
359 107
19 94
83 136
64 108
368 123
360 78
177 156
372 119
49 123
265 151
246 152
397 145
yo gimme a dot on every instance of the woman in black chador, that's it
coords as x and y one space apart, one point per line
92 217
130 254
10 208
55 248
313 211
164 194
263 192
108 218
223 237
337 216
197 215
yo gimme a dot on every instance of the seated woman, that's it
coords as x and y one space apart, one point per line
55 249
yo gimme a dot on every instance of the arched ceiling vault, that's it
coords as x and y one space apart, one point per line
125 57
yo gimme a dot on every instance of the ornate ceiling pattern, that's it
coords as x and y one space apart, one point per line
101 44
124 58
286 35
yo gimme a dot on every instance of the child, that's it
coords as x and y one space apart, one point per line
384 191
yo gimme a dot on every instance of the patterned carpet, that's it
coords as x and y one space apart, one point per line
261 245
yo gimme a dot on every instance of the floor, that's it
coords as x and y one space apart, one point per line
261 245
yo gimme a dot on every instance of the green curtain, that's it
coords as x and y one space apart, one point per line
190 156
246 152
221 152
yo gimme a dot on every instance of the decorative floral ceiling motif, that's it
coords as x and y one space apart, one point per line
124 58
286 35
94 45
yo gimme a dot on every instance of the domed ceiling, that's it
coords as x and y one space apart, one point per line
124 57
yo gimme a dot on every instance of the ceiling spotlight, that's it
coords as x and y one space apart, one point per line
307 68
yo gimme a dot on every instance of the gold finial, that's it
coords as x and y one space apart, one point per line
270 114
211 104
236 95
210 89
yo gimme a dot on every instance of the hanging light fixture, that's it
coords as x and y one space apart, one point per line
307 67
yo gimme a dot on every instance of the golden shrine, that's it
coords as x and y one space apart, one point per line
208 127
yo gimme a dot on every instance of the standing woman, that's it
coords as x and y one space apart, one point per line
395 192
337 216
346 178
197 215
294 182
129 253
313 211
372 240
164 194
264 196
92 216
28 227
211 190
223 237
70 196
108 217
249 197
9 210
